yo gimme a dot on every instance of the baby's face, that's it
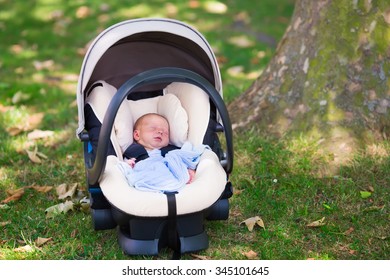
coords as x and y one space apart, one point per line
153 133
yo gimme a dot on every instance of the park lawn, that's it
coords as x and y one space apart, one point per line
305 212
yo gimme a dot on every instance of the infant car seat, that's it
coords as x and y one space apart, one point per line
162 66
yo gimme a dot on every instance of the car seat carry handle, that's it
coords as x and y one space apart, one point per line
156 76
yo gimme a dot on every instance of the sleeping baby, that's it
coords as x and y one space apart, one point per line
152 164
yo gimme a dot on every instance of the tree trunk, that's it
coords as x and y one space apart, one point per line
329 78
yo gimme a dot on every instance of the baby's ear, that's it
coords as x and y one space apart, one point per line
136 135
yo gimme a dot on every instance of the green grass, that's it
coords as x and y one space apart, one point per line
280 183
279 180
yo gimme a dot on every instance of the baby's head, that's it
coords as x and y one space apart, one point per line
151 131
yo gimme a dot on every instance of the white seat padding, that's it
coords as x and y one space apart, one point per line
197 105
99 99
187 109
208 185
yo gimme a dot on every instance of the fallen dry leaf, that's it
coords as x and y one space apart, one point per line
61 189
4 109
349 231
251 222
43 189
199 257
41 241
16 49
251 255
39 134
386 16
374 208
83 12
33 155
47 64
41 155
74 233
241 41
33 121
12 192
235 71
193 4
215 7
317 223
64 191
58 209
24 249
237 192
15 130
383 237
20 97
3 224
14 195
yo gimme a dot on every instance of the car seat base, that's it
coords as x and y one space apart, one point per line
146 236
151 247
102 219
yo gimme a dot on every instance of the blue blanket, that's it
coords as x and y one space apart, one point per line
163 174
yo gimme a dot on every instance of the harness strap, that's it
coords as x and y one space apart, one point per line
139 152
173 236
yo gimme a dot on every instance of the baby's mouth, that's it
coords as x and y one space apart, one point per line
157 138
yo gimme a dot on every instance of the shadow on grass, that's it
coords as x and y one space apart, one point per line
280 184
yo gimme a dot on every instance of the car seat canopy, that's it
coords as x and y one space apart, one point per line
135 46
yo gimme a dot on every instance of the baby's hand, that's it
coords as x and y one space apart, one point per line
131 162
191 172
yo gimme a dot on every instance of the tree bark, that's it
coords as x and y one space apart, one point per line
329 78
